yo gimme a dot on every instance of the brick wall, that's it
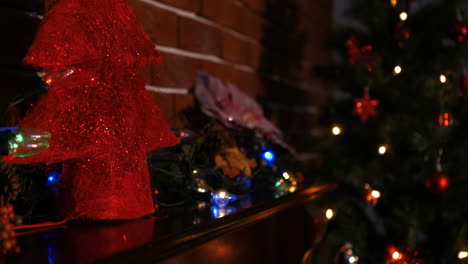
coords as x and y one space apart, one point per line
266 47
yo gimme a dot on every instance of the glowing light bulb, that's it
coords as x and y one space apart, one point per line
393 2
397 70
230 118
403 16
382 150
462 254
24 141
195 172
329 214
286 175
268 156
221 198
375 194
336 130
396 255
52 178
442 78
352 259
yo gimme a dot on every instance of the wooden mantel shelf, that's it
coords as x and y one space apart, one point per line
265 231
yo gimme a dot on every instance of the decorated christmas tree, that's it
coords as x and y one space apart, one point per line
397 144
101 119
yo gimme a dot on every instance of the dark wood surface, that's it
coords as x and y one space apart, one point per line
275 231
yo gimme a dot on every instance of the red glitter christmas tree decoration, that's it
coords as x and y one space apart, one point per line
365 107
101 119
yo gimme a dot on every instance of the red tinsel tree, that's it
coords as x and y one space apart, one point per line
101 119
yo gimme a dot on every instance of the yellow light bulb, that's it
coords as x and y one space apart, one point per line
462 254
382 150
286 175
397 70
194 171
329 214
403 16
442 78
336 130
393 2
396 255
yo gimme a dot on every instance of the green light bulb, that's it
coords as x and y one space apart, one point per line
26 141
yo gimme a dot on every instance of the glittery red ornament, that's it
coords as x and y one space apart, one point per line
437 182
464 86
459 31
365 107
101 119
360 51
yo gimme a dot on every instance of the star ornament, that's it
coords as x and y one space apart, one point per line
365 107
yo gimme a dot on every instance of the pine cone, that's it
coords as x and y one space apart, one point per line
9 183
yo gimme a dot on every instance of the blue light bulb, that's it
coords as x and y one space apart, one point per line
268 156
52 178
221 198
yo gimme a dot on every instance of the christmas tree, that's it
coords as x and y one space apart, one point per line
397 143
101 119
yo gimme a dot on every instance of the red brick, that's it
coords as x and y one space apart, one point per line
235 49
176 71
256 53
199 37
165 102
192 5
221 71
225 12
159 24
256 5
251 24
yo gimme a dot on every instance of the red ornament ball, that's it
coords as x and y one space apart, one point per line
437 182
459 31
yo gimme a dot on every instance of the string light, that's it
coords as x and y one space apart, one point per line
393 2
286 175
442 78
382 149
396 255
397 70
195 172
336 130
375 194
403 16
329 214
268 156
52 178
462 254
221 198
